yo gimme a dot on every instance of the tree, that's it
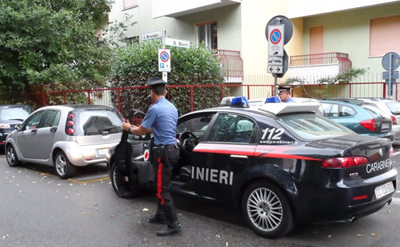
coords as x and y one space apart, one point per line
52 42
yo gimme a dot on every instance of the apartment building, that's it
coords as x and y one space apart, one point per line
328 36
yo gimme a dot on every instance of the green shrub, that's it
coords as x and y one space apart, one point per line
134 64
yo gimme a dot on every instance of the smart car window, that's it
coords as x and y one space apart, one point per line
98 122
34 120
51 118
232 128
312 127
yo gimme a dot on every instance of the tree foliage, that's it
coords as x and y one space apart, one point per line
344 77
133 65
52 42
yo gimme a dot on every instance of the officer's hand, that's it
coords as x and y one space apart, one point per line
126 125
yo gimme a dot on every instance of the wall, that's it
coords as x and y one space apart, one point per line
348 32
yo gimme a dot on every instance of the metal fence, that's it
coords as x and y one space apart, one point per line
189 97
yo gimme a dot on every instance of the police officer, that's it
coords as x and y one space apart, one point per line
161 119
284 94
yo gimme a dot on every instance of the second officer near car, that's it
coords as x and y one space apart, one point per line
161 119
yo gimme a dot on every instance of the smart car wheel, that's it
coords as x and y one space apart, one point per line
63 167
121 185
267 210
12 158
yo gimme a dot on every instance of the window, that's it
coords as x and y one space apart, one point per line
347 111
132 40
232 128
197 125
312 127
128 4
51 118
207 33
34 120
331 110
384 36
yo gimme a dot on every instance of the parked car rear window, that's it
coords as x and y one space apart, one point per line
312 127
394 107
13 113
98 122
374 111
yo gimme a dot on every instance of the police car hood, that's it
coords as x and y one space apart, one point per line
354 145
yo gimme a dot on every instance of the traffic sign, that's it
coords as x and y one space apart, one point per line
281 20
391 60
275 68
276 40
394 75
177 42
164 60
154 35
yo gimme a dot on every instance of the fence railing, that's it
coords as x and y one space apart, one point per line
189 97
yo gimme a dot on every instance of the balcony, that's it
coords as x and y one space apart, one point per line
313 67
175 8
232 64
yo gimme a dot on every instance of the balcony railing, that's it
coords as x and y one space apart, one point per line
316 66
232 64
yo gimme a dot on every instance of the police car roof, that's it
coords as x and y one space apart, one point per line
285 108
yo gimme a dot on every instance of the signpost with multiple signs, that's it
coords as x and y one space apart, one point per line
164 55
390 62
278 32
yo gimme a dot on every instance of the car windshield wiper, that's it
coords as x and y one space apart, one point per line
396 112
20 119
113 127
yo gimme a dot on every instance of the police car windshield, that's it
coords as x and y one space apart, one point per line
309 126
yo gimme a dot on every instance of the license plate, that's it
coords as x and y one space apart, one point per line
385 126
102 152
384 190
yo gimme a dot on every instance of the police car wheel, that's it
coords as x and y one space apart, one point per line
267 210
120 185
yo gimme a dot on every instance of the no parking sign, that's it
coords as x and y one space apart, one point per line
164 60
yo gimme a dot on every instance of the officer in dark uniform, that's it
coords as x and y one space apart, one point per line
284 94
161 119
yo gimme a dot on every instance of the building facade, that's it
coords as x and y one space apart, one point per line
328 36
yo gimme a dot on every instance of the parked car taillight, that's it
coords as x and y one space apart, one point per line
70 125
4 126
391 152
369 124
393 120
344 162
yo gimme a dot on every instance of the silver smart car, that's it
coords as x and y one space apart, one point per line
65 136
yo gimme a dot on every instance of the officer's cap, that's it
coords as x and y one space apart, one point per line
282 89
155 81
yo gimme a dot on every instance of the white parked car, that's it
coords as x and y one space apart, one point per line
65 137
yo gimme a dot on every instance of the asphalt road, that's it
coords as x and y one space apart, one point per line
39 209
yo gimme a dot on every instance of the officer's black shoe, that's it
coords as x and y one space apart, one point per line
171 230
173 226
158 218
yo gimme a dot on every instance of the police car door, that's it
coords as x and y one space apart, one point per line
223 156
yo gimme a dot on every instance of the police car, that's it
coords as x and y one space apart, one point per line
280 163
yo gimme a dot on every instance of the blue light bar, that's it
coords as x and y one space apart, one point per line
240 102
273 99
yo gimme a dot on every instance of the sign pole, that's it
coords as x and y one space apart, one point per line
390 76
164 74
275 84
